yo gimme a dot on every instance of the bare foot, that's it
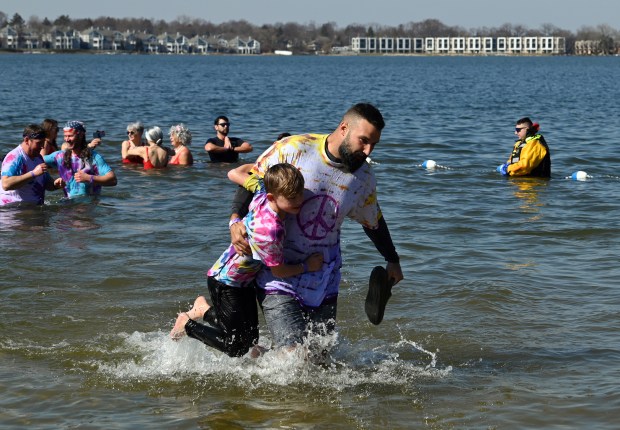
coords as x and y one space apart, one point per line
198 310
178 331
257 351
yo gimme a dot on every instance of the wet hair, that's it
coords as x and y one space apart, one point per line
34 131
182 133
155 135
225 118
86 153
368 112
282 136
49 125
284 180
136 126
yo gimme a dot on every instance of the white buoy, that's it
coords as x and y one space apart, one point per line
429 164
579 175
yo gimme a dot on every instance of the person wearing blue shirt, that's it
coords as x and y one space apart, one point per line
24 174
83 170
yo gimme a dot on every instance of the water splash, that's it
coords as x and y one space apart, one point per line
154 356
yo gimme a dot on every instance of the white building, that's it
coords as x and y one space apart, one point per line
528 45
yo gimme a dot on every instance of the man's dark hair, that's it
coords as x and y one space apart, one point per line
225 118
367 112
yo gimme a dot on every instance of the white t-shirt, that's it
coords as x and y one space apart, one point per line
331 194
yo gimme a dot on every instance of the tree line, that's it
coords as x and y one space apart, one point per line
307 37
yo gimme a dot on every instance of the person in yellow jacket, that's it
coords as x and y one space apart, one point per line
530 155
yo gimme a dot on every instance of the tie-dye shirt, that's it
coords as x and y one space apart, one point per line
331 195
97 166
266 238
17 163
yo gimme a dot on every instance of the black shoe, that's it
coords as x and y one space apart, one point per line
379 291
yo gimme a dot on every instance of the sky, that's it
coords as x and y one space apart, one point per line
469 14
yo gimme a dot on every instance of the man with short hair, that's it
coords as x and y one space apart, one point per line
24 173
339 184
223 148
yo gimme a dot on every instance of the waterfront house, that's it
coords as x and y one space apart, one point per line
92 38
386 45
198 45
217 44
65 40
241 46
474 45
515 45
9 38
113 40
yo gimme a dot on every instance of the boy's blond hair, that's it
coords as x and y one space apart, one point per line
284 180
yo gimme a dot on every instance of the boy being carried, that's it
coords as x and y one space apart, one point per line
232 317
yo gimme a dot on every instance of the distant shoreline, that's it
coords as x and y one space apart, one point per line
271 54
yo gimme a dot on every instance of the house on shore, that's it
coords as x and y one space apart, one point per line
98 39
527 45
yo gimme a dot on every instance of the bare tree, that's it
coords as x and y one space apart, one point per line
3 19
82 24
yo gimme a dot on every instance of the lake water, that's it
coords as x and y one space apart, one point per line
509 314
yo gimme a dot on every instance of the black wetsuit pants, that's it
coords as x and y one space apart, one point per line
232 319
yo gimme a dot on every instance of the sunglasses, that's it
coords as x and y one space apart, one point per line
131 133
518 130
224 124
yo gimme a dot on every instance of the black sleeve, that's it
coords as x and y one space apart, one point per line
241 202
383 241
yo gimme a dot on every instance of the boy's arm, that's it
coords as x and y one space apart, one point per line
239 209
240 174
311 264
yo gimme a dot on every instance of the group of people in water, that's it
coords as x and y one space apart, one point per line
285 223
146 147
83 171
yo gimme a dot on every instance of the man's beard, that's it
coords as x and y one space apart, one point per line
351 160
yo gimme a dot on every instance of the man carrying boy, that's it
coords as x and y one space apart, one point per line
233 317
339 184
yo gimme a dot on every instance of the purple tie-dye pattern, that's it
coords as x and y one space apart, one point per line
97 166
332 194
265 236
17 163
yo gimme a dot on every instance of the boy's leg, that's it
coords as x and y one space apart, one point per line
197 311
234 312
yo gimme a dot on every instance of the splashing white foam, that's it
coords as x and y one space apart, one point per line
156 356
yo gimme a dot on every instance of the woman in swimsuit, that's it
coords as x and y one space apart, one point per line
134 140
181 137
153 155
